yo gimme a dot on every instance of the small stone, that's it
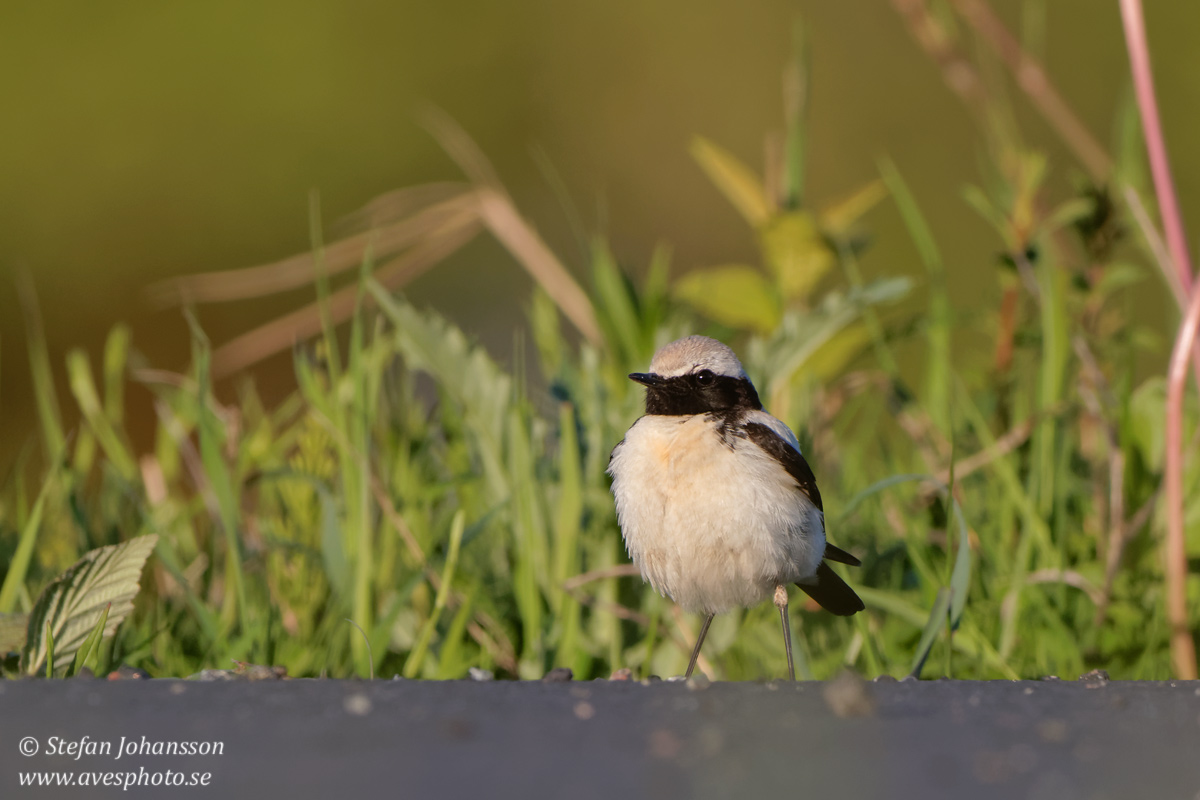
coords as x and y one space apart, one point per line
698 682
676 679
259 672
1051 678
357 704
128 673
1094 679
848 695
885 678
558 675
480 674
653 678
623 674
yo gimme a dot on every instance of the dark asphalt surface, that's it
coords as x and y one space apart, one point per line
408 739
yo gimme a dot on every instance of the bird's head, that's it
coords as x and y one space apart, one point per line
696 375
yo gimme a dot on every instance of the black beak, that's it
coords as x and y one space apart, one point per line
646 378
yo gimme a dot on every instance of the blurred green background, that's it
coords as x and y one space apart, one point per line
146 140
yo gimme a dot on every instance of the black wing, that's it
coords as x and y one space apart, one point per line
829 590
832 593
789 457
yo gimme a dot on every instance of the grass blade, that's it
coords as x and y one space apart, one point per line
90 645
416 658
18 568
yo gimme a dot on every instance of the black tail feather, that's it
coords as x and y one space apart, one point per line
841 556
831 592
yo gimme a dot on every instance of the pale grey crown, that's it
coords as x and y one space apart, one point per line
694 353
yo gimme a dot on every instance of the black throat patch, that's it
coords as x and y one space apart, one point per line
686 395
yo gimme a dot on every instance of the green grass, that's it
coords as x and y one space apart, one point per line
458 514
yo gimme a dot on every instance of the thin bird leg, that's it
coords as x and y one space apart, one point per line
781 602
699 641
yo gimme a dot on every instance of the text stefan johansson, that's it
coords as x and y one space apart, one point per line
87 746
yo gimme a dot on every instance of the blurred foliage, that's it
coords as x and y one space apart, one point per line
1002 496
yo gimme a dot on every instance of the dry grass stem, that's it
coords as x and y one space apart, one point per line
618 571
1031 77
1183 647
300 270
283 332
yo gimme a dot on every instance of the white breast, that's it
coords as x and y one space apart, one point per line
713 523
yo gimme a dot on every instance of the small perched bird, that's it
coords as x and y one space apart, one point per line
717 506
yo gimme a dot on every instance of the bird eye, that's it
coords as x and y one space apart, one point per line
704 377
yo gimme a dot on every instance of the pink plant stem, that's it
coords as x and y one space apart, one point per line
1183 649
1156 147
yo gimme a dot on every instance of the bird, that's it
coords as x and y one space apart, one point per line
716 504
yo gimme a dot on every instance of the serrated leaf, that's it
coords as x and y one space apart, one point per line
12 632
801 335
796 252
70 605
462 370
734 295
735 180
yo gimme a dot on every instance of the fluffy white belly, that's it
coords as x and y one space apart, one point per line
711 524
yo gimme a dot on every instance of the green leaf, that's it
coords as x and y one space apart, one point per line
838 219
734 295
1118 276
1147 421
67 609
735 180
1068 213
829 362
796 252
